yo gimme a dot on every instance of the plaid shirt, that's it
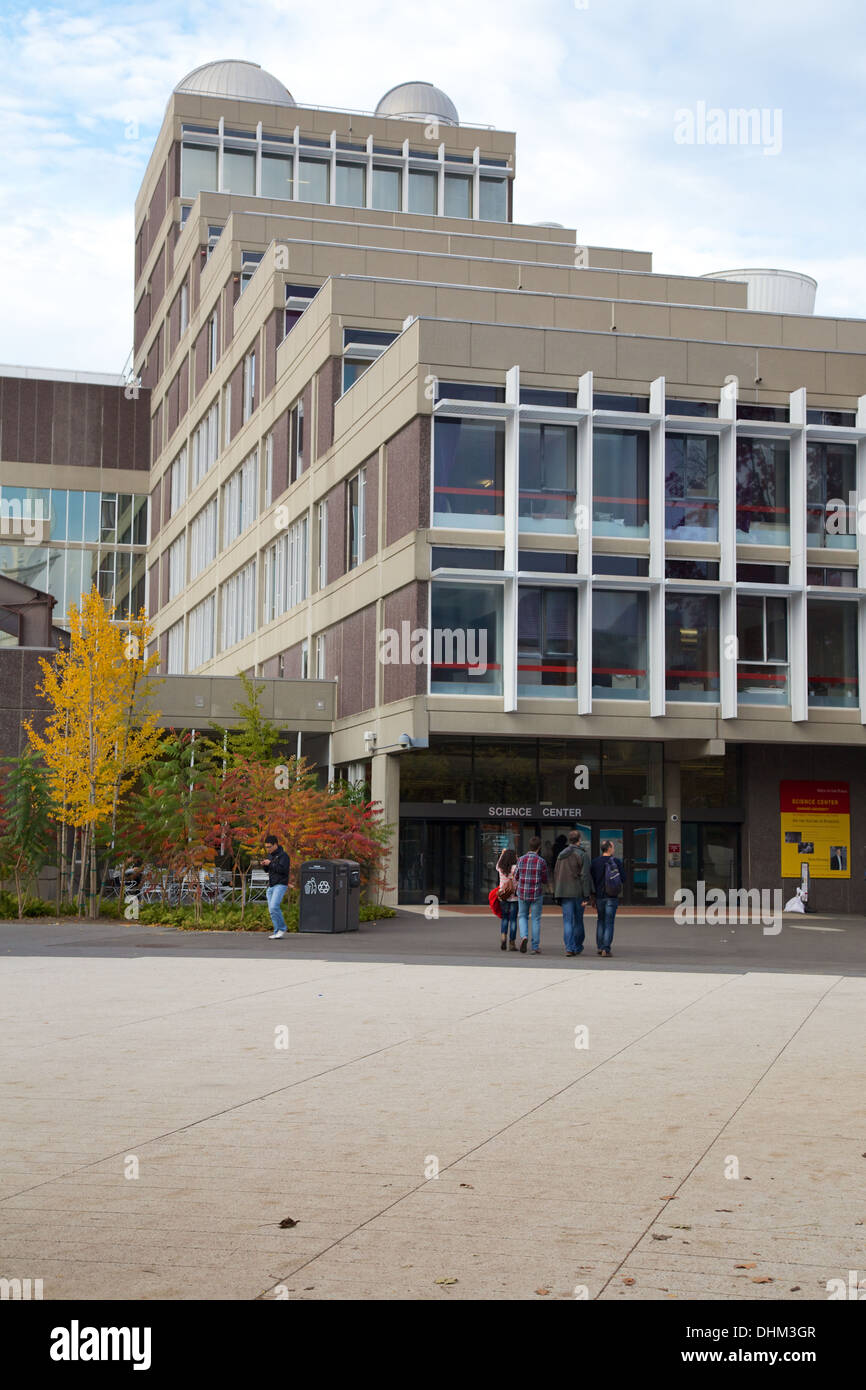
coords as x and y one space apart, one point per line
531 874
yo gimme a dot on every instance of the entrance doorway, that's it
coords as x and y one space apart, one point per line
711 853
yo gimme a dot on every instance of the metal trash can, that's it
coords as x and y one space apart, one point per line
330 891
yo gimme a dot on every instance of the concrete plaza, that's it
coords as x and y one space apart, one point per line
668 1124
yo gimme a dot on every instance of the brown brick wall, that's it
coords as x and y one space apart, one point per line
371 506
328 392
404 605
336 532
70 422
407 483
156 509
350 655
281 455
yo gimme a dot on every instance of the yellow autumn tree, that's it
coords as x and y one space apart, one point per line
100 730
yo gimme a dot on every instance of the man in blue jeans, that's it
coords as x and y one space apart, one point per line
602 870
531 876
277 865
572 887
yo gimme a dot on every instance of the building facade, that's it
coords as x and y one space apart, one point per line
579 542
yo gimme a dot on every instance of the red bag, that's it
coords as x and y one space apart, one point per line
495 904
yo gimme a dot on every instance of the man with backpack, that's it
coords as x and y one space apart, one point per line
608 880
572 887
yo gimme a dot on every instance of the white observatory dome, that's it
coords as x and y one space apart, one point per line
234 77
418 101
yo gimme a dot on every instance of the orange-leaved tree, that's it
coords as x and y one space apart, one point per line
99 730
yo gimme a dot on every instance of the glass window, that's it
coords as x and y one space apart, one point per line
466 639
619 645
201 632
79 577
108 516
558 761
249 385
605 401
762 492
832 578
534 395
56 582
674 407
546 562
238 606
322 545
762 635
461 558
241 499
619 564
124 518
276 176
174 664
831 495
710 783
422 192
692 647
761 412
631 773
832 644
121 589
762 574
468 391
547 478
355 520
387 185
177 566
469 473
458 195
92 516
692 487
351 185
75 519
249 261
547 643
493 199
140 513
505 771
620 503
58 514
438 773
239 172
691 569
313 180
198 170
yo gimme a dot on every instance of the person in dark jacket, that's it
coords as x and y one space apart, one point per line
605 901
572 887
277 865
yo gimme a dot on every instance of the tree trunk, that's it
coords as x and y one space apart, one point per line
91 906
61 862
85 845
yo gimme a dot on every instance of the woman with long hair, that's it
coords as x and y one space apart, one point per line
505 866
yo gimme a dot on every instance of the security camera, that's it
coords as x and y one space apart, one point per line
370 738
405 740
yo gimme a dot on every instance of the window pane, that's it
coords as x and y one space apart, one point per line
547 643
422 192
466 639
505 772
692 647
832 644
92 510
351 185
692 487
276 176
469 473
619 645
108 516
762 492
239 172
139 523
831 479
493 200
198 170
620 483
75 522
458 195
386 189
631 774
438 773
547 478
750 627
313 177
58 514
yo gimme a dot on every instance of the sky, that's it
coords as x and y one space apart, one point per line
621 111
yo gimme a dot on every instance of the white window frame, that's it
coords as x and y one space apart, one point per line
203 539
177 566
205 444
269 469
249 385
238 606
361 479
174 663
212 342
202 630
177 482
240 499
322 576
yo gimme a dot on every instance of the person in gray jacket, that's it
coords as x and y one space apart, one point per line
572 887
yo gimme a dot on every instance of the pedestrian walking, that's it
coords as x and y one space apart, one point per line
608 881
531 878
505 866
277 865
572 889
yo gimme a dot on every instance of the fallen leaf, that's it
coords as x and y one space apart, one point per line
287 1221
466 1184
762 1279
682 1228
542 1292
748 1266
628 1281
655 1237
446 1280
670 1197
795 1289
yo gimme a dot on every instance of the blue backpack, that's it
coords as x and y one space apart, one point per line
612 879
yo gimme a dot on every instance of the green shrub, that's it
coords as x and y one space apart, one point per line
371 913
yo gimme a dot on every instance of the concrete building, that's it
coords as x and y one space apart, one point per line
577 540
